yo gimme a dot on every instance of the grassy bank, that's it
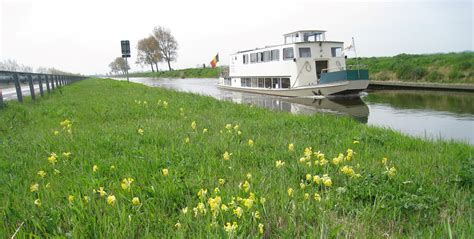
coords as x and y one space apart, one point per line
104 158
184 73
440 68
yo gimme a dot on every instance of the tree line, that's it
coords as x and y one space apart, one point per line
159 46
12 65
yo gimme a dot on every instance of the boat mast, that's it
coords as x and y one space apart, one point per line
357 60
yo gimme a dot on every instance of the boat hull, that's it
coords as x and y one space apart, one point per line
336 88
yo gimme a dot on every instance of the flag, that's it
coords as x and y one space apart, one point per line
348 48
214 61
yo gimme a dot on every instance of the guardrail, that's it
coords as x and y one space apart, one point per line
52 82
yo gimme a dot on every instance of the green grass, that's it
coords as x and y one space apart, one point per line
184 73
430 195
438 68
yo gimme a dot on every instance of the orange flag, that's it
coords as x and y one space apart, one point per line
214 61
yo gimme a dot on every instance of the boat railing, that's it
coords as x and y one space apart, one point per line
342 68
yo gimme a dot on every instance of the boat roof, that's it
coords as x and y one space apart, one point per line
270 46
320 31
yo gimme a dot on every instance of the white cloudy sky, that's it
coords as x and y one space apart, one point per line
84 35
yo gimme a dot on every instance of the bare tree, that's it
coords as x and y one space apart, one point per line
42 70
9 65
119 65
167 43
149 52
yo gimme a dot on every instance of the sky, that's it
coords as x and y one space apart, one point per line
83 36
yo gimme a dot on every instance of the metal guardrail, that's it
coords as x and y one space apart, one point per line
52 82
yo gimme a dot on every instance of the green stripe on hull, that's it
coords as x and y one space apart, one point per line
345 75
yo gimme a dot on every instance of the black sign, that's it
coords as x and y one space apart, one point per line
125 48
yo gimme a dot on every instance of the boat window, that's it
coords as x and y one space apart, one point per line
305 52
285 82
247 82
275 83
227 81
288 53
260 82
268 83
336 51
242 82
275 55
245 58
259 56
266 56
253 57
254 82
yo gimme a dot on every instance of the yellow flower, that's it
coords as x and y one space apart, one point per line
201 208
323 161
248 202
392 171
214 203
291 147
279 164
53 158
126 183
186 140
177 225
316 179
202 193
238 212
239 132
56 172
224 208
101 191
184 210
204 131
226 156
112 167
228 126
236 127
327 182
249 176
348 170
290 192
317 197
193 125
140 131
221 181
86 199
216 190
384 161
338 159
308 177
41 173
67 155
307 152
165 104
95 168
260 228
302 185
250 142
34 187
164 172
70 198
355 142
38 202
56 132
136 201
263 200
306 196
111 200
230 228
245 186
350 155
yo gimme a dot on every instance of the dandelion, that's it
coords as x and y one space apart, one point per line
230 228
184 210
177 225
53 158
101 192
204 131
193 125
290 192
140 131
226 156
279 163
86 199
95 168
41 173
111 200
38 202
238 212
34 187
291 147
221 181
317 197
67 155
355 142
306 196
164 172
136 201
126 183
202 193
260 228
71 198
250 143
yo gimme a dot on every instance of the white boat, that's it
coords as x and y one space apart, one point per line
306 65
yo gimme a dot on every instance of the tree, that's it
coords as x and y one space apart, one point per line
148 52
167 43
119 65
9 65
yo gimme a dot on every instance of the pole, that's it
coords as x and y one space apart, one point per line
357 60
126 71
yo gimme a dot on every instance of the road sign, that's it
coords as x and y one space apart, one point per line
125 48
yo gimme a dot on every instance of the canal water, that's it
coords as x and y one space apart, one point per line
426 114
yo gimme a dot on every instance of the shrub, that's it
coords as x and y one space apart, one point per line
434 76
